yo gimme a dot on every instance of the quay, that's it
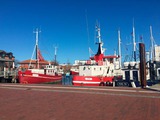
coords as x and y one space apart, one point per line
58 102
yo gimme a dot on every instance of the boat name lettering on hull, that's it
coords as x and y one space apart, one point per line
88 78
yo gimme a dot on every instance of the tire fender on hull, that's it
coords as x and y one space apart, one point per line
102 84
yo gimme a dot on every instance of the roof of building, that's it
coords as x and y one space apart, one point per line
34 61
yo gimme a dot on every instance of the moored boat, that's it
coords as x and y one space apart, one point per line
48 74
99 70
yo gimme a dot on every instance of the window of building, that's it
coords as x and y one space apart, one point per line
3 55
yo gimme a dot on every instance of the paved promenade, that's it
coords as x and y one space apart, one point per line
52 102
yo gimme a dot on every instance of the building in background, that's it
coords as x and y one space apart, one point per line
32 64
7 65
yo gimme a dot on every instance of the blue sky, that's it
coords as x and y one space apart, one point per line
63 24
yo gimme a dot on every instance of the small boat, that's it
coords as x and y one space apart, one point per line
99 70
48 74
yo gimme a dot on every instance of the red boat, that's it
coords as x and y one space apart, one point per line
46 75
99 70
49 74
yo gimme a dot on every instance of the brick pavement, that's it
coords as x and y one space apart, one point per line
44 104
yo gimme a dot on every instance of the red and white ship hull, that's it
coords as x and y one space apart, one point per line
34 78
92 80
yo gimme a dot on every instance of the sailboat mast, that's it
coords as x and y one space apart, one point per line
119 48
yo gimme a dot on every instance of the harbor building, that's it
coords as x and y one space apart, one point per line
7 66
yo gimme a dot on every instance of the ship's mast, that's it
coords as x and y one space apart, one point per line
152 45
99 40
35 50
55 55
134 43
119 48
37 59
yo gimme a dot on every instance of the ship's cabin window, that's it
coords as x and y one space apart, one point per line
50 71
49 66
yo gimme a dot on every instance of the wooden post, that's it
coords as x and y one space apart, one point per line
142 65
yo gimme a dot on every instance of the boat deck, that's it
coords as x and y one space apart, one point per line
53 102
